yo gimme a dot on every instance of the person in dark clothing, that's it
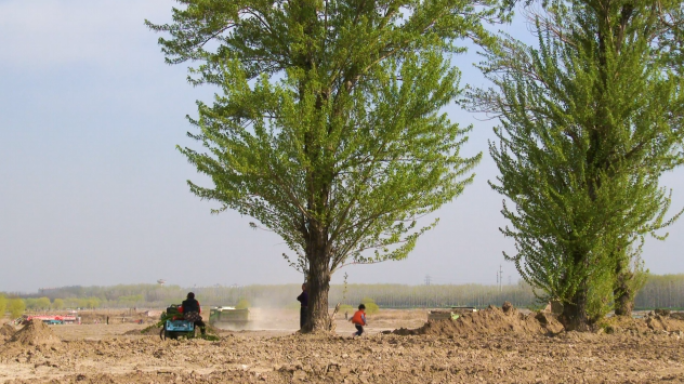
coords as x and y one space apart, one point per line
303 298
191 310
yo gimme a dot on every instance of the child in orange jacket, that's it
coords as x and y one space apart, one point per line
359 320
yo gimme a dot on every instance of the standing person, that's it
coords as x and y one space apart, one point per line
303 298
359 320
191 310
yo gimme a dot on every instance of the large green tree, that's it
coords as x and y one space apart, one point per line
590 120
328 128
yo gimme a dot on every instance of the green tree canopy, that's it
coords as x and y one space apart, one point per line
16 307
93 302
328 128
589 122
58 304
43 303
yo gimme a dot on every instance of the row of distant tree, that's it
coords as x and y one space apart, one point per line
664 291
17 306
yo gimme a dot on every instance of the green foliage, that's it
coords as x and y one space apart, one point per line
371 307
16 307
58 304
31 303
242 304
209 337
94 302
346 308
89 303
131 300
3 305
71 302
43 303
162 319
327 129
600 296
536 306
589 121
156 325
38 304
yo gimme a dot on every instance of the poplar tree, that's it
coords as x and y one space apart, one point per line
327 129
590 120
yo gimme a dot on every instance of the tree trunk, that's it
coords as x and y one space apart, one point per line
575 316
624 304
623 290
624 300
318 286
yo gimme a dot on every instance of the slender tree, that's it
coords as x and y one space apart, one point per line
328 129
589 122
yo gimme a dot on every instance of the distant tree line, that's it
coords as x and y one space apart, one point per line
660 291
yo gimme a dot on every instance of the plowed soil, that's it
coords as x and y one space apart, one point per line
491 346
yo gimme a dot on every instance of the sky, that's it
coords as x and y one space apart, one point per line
93 191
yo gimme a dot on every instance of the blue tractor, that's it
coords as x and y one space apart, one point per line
174 326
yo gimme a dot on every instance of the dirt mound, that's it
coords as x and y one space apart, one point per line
7 330
34 333
492 320
645 325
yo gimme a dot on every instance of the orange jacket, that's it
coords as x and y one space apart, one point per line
359 318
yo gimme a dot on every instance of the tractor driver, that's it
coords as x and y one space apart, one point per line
191 310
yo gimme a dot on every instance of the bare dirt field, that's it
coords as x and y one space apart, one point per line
491 346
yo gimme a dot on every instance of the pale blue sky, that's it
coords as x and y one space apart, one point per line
93 191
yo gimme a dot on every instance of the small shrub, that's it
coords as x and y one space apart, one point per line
371 307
